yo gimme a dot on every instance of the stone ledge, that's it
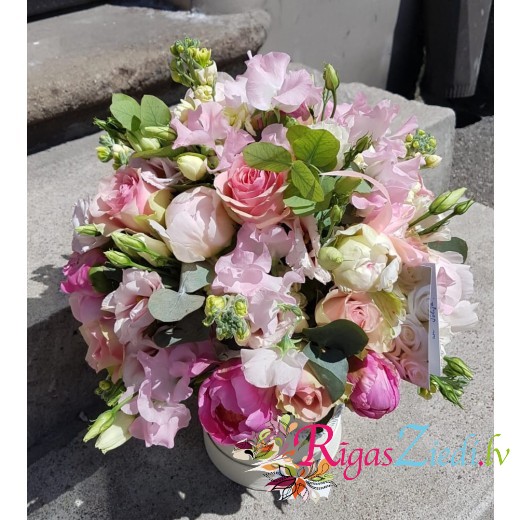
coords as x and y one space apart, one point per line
77 60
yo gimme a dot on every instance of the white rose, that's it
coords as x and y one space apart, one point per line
370 262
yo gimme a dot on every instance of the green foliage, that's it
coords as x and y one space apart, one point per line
267 156
455 244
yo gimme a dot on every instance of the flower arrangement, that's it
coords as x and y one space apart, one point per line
261 244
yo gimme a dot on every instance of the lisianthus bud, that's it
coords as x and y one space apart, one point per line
331 77
446 201
127 242
88 229
330 258
118 259
457 367
160 132
192 166
462 207
102 423
116 434
432 161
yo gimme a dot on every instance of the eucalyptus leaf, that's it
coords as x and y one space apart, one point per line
330 367
168 306
455 244
306 182
127 111
267 156
195 276
154 112
318 147
342 335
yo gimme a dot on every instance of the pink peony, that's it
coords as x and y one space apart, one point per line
376 385
104 348
197 225
85 302
121 198
129 303
311 401
232 410
410 352
252 195
357 307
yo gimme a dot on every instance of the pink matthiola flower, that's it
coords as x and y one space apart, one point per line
252 195
269 85
270 367
246 271
198 356
104 348
84 300
129 303
121 198
276 134
376 385
232 410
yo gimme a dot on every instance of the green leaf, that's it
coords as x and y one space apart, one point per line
167 305
346 186
330 366
105 279
126 110
455 244
154 112
316 146
295 132
306 182
267 156
188 330
342 335
195 276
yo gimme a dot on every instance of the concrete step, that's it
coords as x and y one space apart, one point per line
60 383
134 483
77 60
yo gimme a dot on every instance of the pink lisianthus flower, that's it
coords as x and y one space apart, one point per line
252 195
356 307
121 199
232 410
269 85
310 401
104 348
271 367
159 172
375 383
84 300
246 271
81 216
197 225
129 303
409 352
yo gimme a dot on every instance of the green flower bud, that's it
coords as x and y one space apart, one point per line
242 332
105 385
425 393
102 423
116 434
331 77
124 242
240 306
192 165
462 207
104 154
336 214
432 161
203 93
160 132
446 201
330 258
458 367
118 259
88 229
214 305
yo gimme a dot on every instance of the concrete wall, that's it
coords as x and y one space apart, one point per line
354 35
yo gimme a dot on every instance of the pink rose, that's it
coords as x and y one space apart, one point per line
356 307
232 410
252 195
410 352
376 385
104 347
85 301
311 401
121 198
197 225
129 303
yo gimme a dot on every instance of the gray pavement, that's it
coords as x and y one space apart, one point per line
134 483
473 160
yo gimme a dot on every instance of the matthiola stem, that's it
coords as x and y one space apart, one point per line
420 219
436 226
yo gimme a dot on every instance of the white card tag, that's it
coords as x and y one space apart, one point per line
434 345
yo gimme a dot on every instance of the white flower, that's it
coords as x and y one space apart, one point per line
117 434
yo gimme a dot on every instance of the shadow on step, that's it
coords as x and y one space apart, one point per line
133 482
59 383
